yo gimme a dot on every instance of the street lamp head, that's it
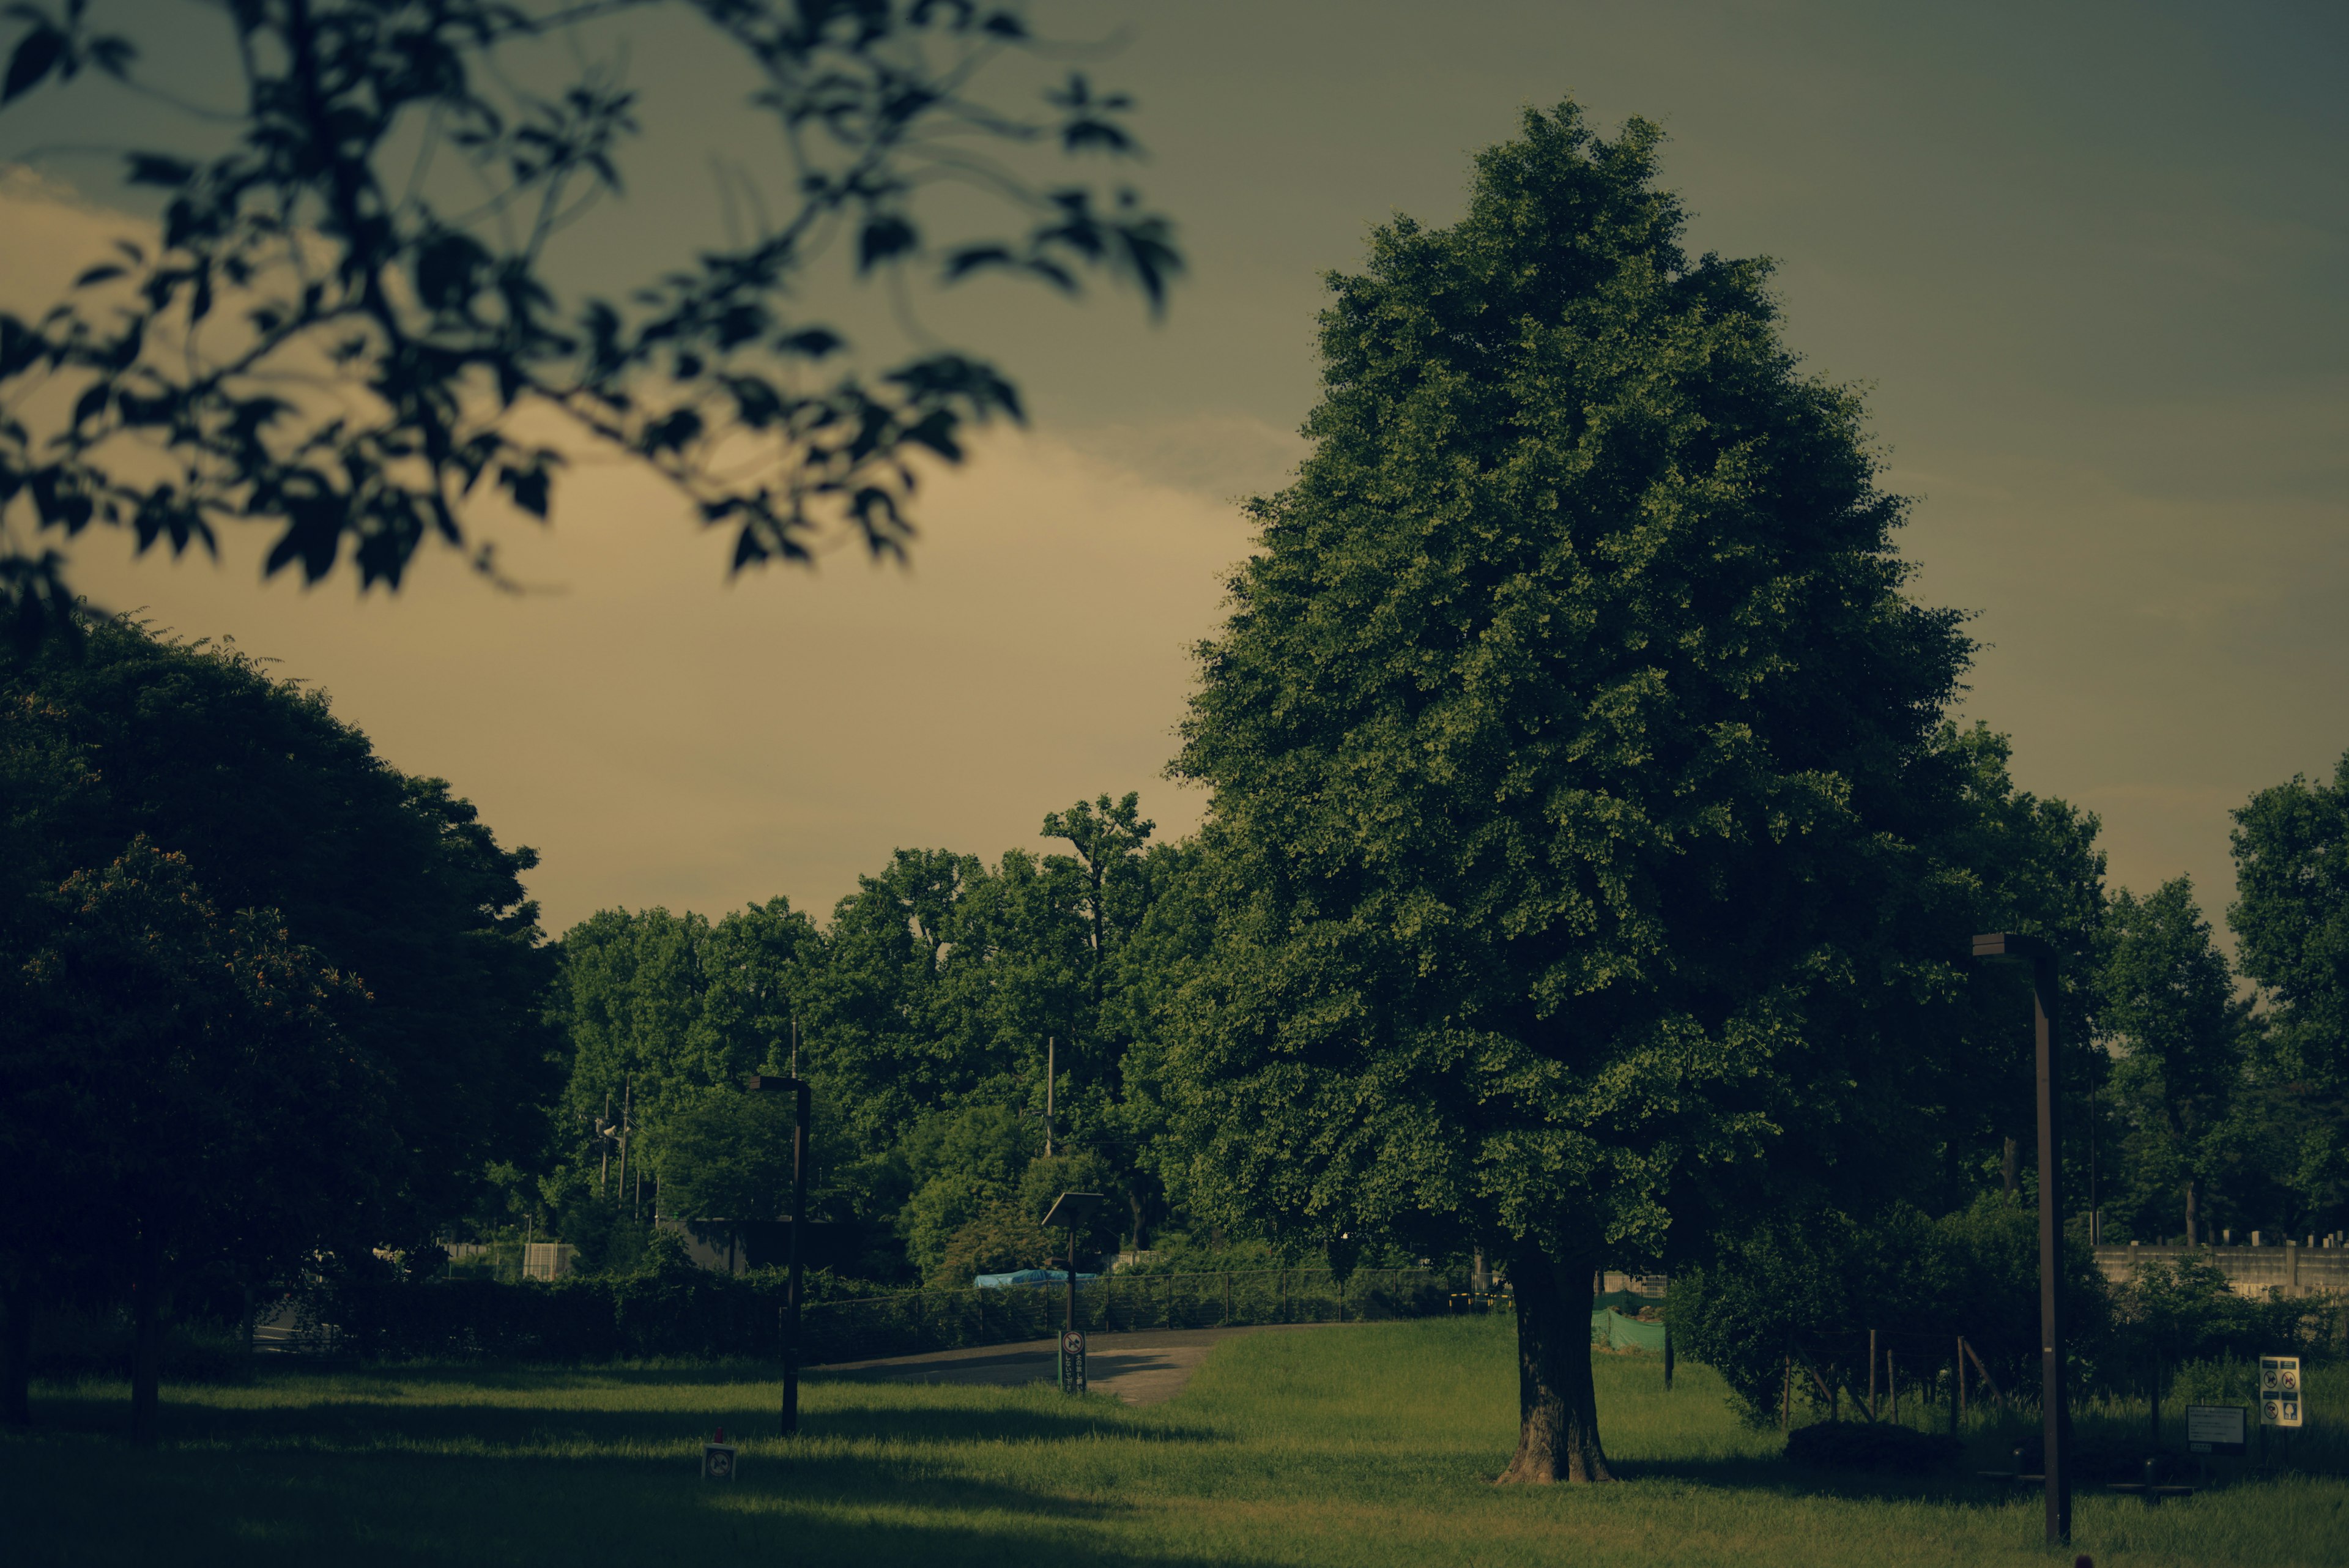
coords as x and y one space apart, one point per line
2012 947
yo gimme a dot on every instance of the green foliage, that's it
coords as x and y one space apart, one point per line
388 209
729 1157
184 1088
2290 917
281 854
922 1012
2169 1009
1566 740
2173 1312
1813 1285
999 1239
965 1164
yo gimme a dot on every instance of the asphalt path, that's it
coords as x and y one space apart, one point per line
1142 1367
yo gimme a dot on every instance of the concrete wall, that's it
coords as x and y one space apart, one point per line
2252 1270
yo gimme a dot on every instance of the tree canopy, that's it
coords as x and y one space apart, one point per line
209 871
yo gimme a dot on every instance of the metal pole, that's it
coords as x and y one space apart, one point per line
2055 1406
791 1257
1050 1071
1071 1372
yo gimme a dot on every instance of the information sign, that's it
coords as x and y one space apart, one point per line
2214 1428
1072 1361
718 1461
2280 1390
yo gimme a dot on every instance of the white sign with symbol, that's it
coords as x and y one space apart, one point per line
2280 1390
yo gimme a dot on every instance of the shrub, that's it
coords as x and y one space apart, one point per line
1882 1448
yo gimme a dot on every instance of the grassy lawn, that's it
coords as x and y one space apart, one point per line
1350 1447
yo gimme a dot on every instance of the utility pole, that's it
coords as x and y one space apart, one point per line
2054 1403
798 1088
1051 1072
603 1137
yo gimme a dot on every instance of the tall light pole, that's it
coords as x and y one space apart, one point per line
798 1087
1070 1212
2055 1408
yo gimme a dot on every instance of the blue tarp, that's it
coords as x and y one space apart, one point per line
1028 1277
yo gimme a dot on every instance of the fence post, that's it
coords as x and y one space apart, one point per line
1958 1387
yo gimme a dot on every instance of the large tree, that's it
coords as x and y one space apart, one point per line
184 1096
263 801
1563 738
2170 1012
2291 918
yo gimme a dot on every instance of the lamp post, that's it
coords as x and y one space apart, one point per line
2055 1409
769 1084
1070 1210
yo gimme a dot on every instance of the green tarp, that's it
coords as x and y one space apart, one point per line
1616 1332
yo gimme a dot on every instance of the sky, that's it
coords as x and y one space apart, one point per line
2090 265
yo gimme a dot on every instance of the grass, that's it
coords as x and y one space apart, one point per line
1352 1447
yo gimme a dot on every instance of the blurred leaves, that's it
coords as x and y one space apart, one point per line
415 330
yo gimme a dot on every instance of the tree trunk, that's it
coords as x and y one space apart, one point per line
147 1342
2009 1164
1557 1408
2193 1211
16 1356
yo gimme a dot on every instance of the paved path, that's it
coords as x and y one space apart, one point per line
1142 1367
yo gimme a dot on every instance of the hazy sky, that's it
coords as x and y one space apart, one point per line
2092 263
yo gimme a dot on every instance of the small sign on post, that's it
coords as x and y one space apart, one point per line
2216 1428
1072 1361
717 1459
2279 1391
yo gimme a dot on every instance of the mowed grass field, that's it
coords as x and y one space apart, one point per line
1354 1447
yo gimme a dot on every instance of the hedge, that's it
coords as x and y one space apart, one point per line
597 1318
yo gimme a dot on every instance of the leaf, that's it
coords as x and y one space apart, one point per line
528 486
815 342
447 266
886 234
154 169
91 403
36 54
970 259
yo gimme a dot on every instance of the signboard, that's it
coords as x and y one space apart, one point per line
1072 1361
2280 1390
718 1461
2214 1428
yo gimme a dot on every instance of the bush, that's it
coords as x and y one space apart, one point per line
1882 1448
1814 1284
